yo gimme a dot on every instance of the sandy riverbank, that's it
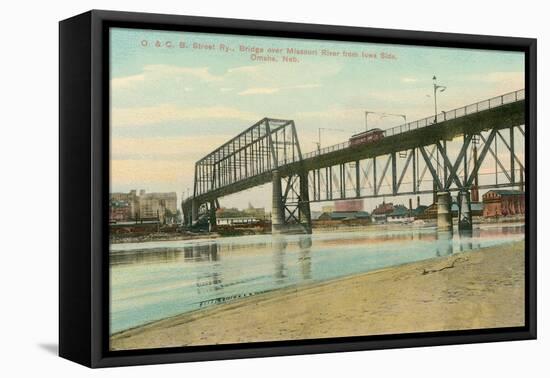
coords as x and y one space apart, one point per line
480 289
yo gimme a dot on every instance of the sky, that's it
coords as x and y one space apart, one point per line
176 96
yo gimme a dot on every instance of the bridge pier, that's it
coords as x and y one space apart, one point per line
305 211
299 214
444 243
186 217
194 211
464 212
277 207
444 214
212 216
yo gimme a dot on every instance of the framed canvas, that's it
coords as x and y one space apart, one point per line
236 188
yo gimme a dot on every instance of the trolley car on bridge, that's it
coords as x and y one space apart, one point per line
366 137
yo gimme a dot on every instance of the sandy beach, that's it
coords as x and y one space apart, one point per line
478 289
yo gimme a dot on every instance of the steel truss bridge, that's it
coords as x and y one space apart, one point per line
478 146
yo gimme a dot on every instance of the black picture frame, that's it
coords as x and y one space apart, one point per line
84 183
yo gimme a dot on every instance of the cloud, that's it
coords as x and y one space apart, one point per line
499 77
148 173
158 163
127 81
244 69
500 82
255 91
202 73
271 90
304 86
165 148
148 115
154 72
162 71
409 80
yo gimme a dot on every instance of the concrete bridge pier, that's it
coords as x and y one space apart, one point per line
194 211
444 246
444 215
302 218
464 212
305 211
186 217
212 216
277 207
184 214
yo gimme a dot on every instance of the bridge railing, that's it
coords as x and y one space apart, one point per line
334 147
441 117
459 112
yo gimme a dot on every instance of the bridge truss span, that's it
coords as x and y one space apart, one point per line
263 147
488 159
478 146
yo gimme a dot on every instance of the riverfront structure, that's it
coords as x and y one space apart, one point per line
269 151
132 206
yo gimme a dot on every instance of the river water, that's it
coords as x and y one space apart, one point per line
156 280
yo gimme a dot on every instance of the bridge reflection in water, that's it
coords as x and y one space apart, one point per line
151 281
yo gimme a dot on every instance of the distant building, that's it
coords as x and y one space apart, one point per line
236 221
344 215
316 214
119 211
349 205
430 212
230 212
419 211
399 214
131 199
503 202
476 209
161 206
255 212
327 209
381 212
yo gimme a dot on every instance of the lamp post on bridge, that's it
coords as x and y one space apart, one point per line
443 198
437 88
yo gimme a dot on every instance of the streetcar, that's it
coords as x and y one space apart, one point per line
366 137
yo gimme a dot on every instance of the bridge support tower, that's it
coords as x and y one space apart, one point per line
194 211
290 216
277 207
212 216
464 212
444 214
305 211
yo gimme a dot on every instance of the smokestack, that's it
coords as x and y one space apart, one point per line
475 194
417 201
410 206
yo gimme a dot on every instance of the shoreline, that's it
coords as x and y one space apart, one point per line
461 291
160 237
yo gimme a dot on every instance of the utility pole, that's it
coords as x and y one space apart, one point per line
437 88
382 115
319 135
